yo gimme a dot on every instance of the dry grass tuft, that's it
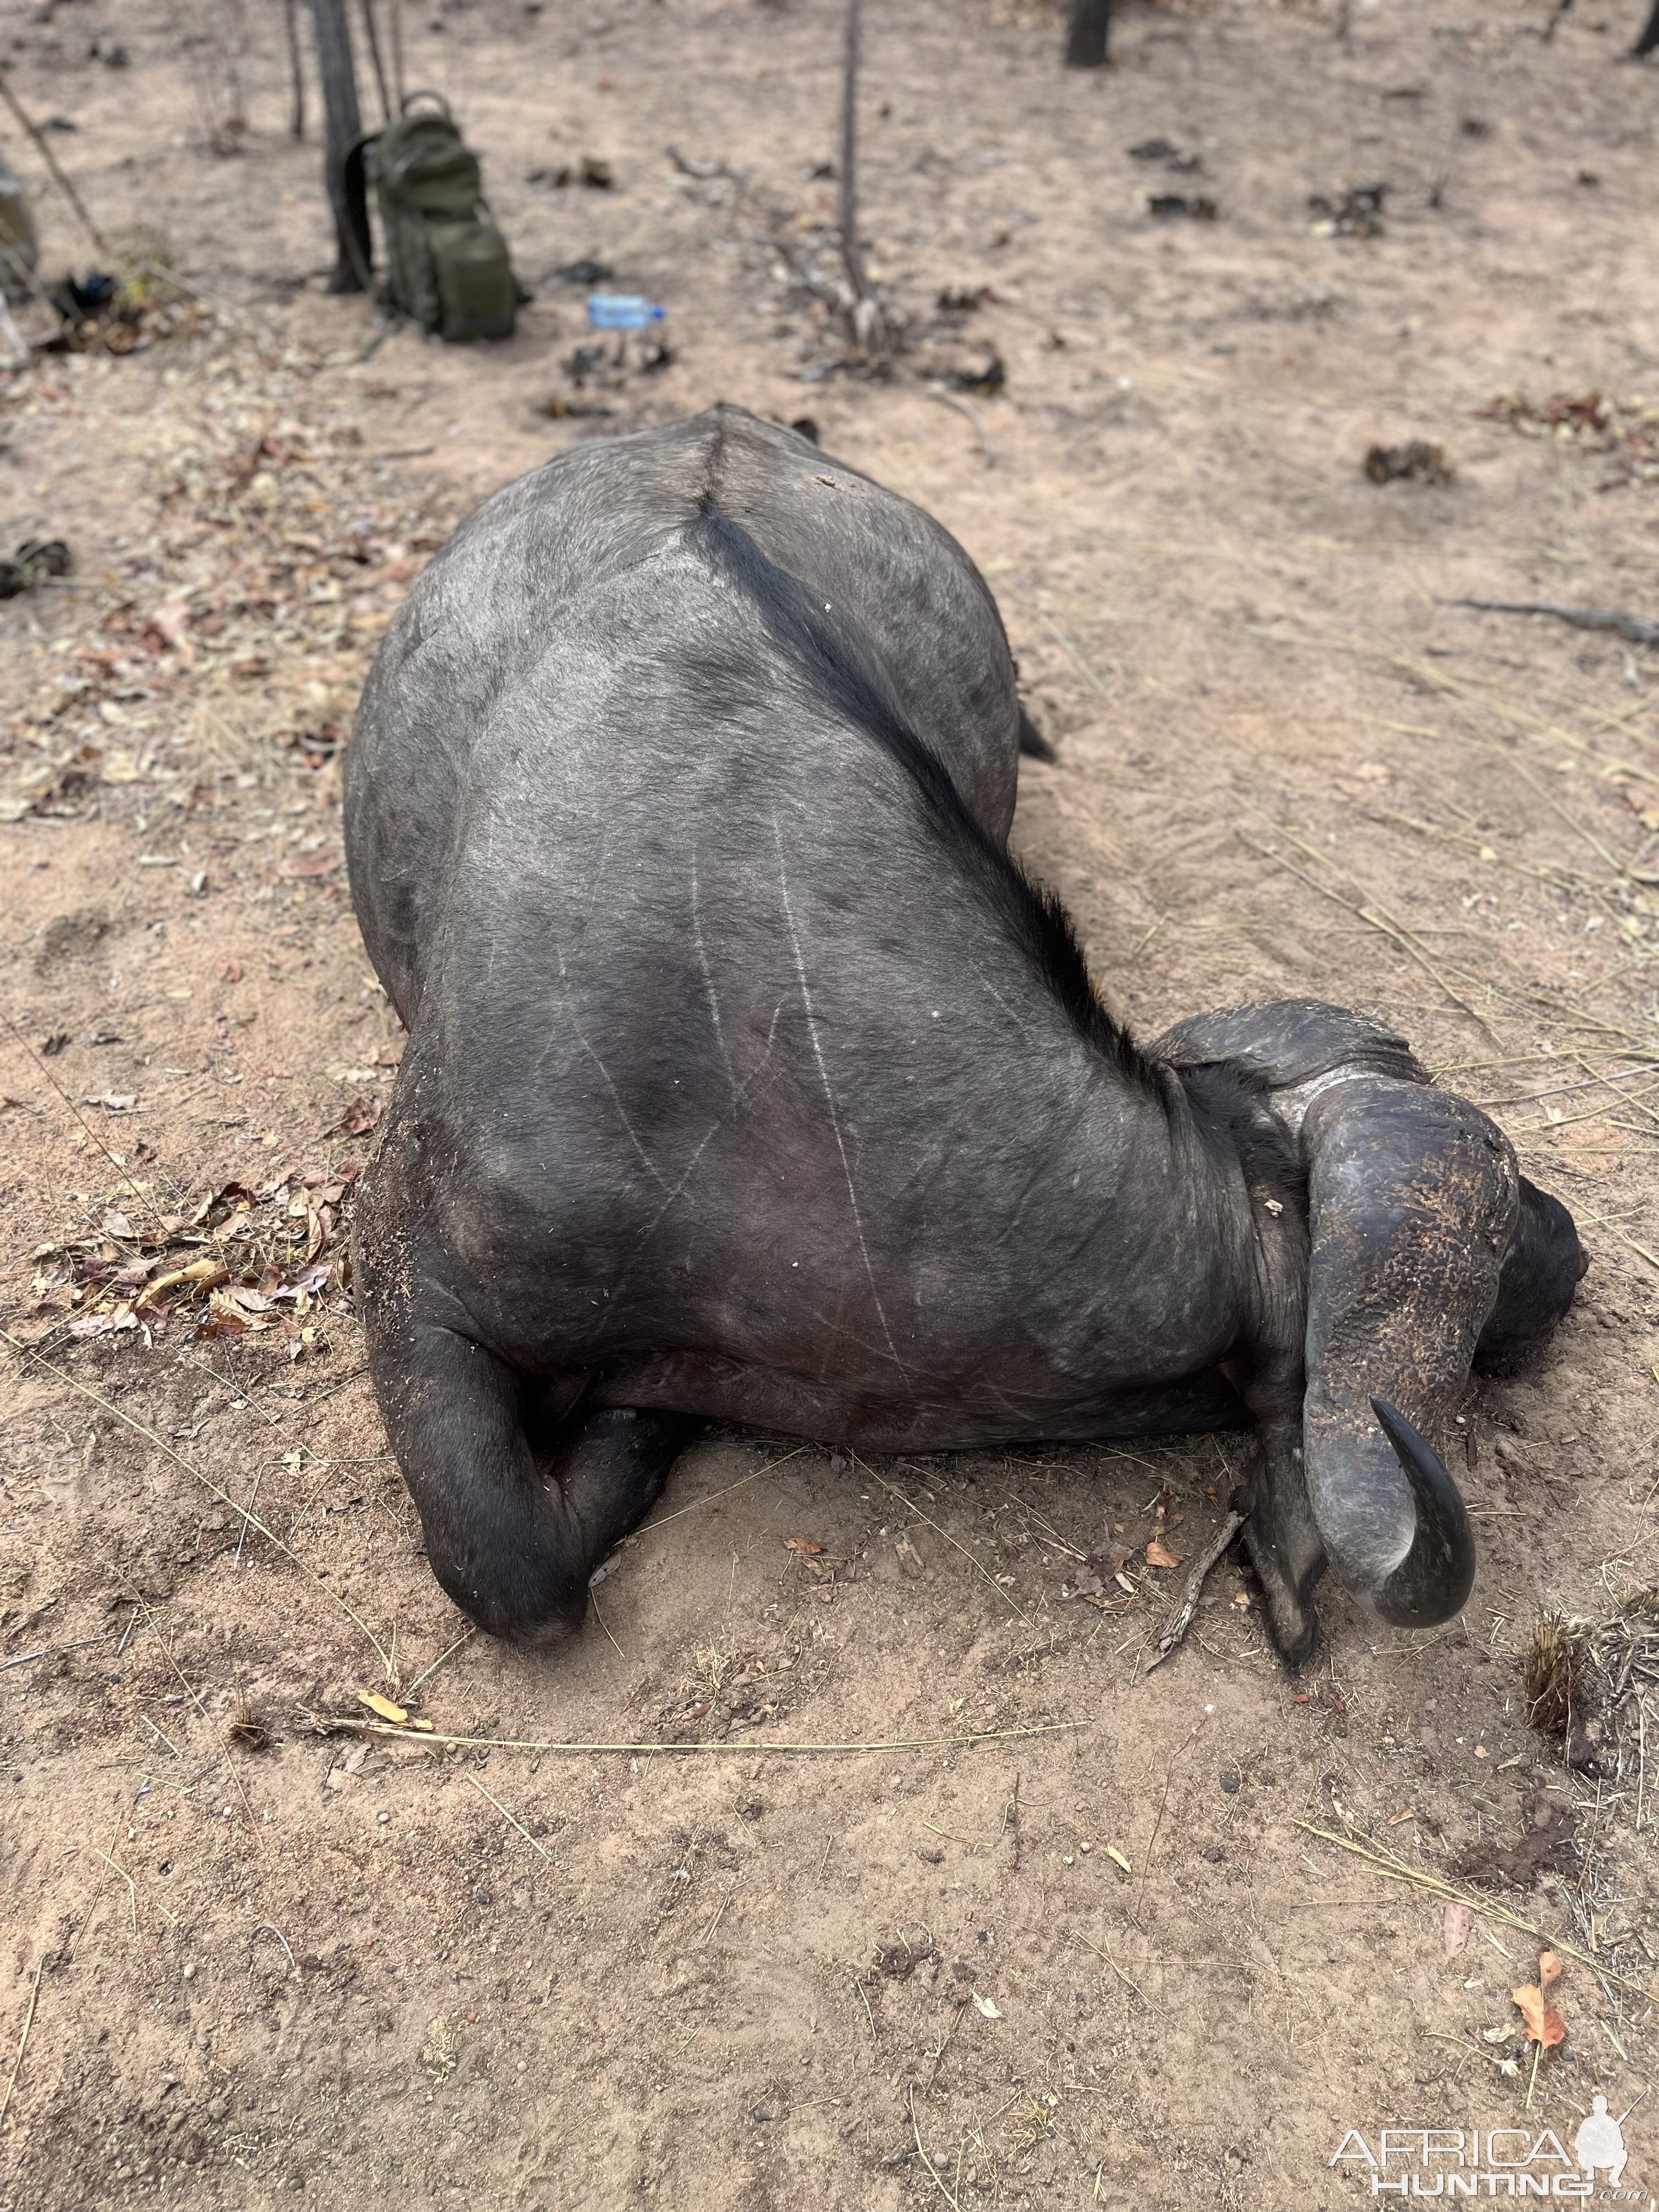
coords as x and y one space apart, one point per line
244 1733
1554 1668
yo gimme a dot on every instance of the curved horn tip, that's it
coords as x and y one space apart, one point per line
1433 1582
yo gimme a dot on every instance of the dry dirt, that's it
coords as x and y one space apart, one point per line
1074 1948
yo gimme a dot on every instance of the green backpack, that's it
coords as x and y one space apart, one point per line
446 264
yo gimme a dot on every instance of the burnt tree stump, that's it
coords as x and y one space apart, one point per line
1090 27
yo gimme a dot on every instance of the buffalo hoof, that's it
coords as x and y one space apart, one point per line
1292 1623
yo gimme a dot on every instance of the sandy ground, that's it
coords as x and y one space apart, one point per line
1071 1939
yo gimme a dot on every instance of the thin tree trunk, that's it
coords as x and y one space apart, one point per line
856 276
53 163
1086 39
397 7
1649 41
343 123
375 56
868 328
291 16
235 46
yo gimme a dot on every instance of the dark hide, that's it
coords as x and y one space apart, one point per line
748 1077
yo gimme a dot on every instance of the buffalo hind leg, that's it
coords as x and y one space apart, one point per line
514 1535
1279 1535
1283 1544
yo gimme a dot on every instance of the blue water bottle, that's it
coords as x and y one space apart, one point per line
623 311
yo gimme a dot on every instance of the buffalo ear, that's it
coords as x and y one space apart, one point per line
1542 1268
1412 1201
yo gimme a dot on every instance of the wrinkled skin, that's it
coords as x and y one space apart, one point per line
747 1079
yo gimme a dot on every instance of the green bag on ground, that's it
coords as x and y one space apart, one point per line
446 263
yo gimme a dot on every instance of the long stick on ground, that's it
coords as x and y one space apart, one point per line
1626 626
51 161
748 1747
22 2041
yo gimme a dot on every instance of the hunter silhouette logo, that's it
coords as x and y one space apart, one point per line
1601 2142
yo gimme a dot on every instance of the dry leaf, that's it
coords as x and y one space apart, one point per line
910 1559
1118 1859
1160 1555
1457 1923
383 1706
1544 2025
205 1271
984 2008
1107 1563
802 1547
1549 1969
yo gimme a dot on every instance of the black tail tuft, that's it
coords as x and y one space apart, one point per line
1032 743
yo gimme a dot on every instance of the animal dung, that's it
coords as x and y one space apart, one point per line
1415 462
984 380
1355 213
1168 155
595 174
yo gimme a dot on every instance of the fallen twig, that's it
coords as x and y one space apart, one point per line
52 164
509 1819
1119 1971
132 1886
465 1636
22 2040
1626 626
1089 677
1652 1258
754 1475
864 1467
251 1520
264 1927
955 399
933 2175
1181 1620
47 1651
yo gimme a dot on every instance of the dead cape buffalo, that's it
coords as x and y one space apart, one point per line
748 1078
